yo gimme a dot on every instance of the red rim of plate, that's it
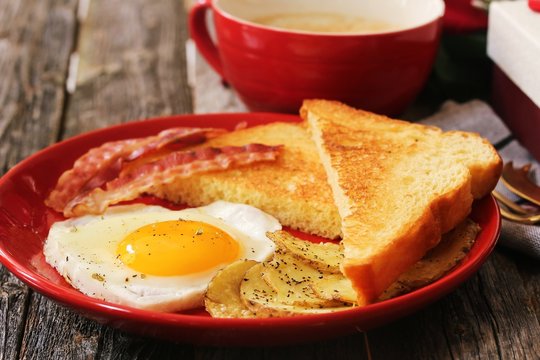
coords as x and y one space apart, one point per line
83 302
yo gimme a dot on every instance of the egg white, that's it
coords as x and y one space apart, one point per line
83 251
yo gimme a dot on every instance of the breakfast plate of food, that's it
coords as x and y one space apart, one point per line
252 229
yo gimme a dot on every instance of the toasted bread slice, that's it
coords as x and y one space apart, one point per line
293 188
398 186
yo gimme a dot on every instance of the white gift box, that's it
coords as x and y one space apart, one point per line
514 47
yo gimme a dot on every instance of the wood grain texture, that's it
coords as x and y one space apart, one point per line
13 303
132 64
486 318
53 332
36 38
118 346
210 95
131 68
529 270
348 347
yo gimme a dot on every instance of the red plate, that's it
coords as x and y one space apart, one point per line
25 221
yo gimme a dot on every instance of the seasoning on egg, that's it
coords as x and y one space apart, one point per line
97 277
176 259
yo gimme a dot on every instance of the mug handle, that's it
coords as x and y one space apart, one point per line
200 34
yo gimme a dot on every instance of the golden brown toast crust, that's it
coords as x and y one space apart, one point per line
398 186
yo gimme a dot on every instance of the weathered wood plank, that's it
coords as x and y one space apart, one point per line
487 318
13 302
529 270
36 38
131 67
53 332
132 58
118 345
347 347
210 95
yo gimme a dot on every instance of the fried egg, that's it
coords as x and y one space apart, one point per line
154 258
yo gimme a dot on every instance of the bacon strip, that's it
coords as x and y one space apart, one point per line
104 163
176 165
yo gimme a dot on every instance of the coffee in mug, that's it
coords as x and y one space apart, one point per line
324 22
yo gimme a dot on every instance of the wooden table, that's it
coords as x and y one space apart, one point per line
131 65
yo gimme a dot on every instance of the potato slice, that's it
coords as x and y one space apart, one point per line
451 250
298 280
334 287
453 247
261 299
325 256
222 298
291 279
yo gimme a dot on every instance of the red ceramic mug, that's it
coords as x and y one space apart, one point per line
273 68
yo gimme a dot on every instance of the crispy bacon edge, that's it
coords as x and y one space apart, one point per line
176 165
104 163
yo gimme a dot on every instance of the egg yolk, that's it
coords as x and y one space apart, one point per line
177 248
